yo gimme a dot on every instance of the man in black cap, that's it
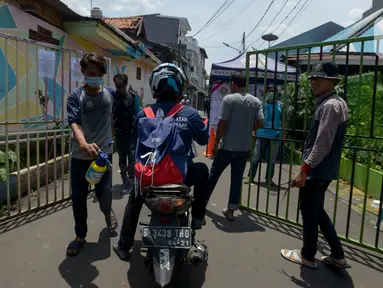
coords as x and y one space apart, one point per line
321 160
125 110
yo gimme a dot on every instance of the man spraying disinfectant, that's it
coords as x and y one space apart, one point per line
89 109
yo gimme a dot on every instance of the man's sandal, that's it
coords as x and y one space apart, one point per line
75 247
330 262
111 222
296 257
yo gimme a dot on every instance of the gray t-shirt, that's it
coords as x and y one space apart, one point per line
240 112
94 114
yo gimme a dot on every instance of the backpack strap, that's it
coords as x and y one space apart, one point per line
149 112
176 108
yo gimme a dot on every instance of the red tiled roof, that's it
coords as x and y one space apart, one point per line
125 22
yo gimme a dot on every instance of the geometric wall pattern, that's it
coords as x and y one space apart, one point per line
27 91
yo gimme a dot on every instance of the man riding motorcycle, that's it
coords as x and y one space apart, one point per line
167 83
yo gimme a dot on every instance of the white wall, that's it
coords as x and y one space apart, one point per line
143 83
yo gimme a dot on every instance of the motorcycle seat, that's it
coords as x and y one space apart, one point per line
167 188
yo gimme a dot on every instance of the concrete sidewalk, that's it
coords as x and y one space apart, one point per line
245 253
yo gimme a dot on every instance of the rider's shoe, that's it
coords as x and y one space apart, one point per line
121 253
229 214
198 253
127 185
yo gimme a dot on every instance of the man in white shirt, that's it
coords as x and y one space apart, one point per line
185 101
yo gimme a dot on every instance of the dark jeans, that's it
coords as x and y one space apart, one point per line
312 197
268 149
80 191
206 110
237 160
197 176
126 149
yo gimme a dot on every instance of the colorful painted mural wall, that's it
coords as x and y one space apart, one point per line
24 107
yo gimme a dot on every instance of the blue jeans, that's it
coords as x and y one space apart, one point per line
80 191
262 148
126 149
237 161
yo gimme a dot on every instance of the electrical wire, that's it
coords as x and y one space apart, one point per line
296 16
272 22
259 22
231 20
216 12
220 10
228 5
304 9
287 16
215 47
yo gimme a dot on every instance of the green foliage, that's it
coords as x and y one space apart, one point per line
359 97
300 108
302 105
360 91
12 160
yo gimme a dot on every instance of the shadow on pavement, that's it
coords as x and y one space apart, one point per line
188 276
359 255
138 275
117 190
321 277
79 271
243 223
24 219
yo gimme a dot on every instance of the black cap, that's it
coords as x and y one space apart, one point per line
328 70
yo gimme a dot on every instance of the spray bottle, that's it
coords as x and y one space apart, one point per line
97 169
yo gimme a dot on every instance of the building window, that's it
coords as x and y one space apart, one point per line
138 74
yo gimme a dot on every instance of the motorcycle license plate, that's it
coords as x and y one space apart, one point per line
166 237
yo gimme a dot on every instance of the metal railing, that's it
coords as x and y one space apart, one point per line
353 200
34 132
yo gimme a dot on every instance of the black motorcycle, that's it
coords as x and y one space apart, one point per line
168 236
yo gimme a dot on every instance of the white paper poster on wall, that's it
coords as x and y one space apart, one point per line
75 70
46 63
219 90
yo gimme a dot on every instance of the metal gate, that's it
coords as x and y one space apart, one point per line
34 132
355 200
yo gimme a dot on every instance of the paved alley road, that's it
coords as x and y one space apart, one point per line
243 254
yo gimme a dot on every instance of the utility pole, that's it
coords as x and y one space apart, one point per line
91 4
243 41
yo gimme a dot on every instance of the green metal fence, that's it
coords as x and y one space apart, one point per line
352 200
